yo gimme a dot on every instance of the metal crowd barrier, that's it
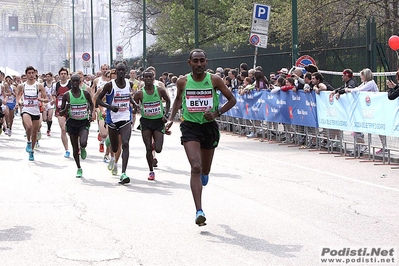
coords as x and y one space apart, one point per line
332 141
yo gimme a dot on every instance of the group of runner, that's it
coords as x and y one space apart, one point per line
113 100
109 101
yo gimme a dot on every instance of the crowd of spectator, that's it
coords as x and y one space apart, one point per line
244 80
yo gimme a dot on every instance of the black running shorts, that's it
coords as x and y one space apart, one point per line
152 124
73 127
207 134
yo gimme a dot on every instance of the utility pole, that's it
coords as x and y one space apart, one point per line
294 31
144 36
196 27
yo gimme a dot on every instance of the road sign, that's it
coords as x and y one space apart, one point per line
254 39
119 52
260 19
86 59
304 61
260 26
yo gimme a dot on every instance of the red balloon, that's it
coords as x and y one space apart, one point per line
393 42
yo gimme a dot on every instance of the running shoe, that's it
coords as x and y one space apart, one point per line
101 147
67 154
204 179
48 133
99 137
111 165
124 179
37 144
9 132
151 176
83 153
79 173
39 135
155 162
115 169
106 158
28 147
31 157
200 218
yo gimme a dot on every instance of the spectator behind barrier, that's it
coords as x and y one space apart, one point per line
368 83
261 82
393 91
349 82
317 81
289 85
308 82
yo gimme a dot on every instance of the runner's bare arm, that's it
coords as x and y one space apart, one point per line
65 105
43 94
91 105
165 97
180 84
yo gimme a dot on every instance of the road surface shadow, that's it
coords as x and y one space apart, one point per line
255 244
17 233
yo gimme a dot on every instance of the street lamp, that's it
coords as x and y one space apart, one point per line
103 24
92 36
110 31
73 34
84 22
144 35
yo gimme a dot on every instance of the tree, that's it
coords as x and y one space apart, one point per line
227 23
41 12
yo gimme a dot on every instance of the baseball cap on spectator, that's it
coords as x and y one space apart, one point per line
311 68
283 71
219 69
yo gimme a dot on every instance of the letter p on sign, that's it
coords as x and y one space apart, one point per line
262 12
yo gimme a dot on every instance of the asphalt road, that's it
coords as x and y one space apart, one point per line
266 204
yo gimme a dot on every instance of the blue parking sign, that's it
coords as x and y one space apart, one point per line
261 12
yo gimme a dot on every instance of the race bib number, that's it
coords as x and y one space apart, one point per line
31 101
152 109
59 101
199 100
78 111
122 102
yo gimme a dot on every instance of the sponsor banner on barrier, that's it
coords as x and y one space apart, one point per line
391 114
297 108
333 113
367 112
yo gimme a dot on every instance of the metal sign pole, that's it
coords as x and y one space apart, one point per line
255 55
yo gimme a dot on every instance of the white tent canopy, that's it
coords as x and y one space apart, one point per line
9 71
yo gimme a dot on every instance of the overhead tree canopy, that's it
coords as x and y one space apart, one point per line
227 23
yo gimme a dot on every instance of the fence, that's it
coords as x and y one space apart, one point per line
320 122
